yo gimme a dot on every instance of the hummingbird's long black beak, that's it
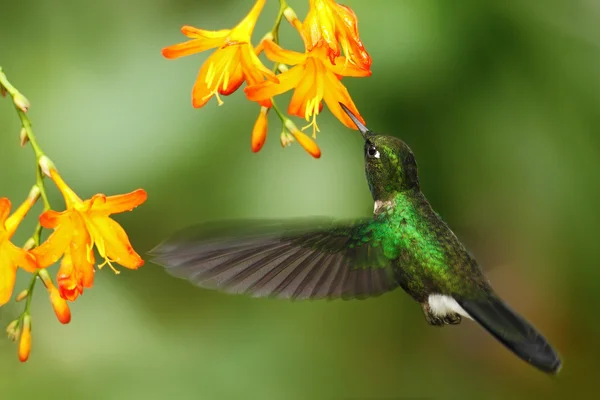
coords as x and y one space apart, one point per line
363 129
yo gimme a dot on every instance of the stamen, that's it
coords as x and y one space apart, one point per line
219 101
109 262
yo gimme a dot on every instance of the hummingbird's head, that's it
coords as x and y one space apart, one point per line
390 165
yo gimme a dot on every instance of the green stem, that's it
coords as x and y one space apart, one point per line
37 234
278 111
275 31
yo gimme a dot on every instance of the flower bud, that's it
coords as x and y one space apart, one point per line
22 296
60 306
13 330
285 139
46 165
292 18
305 141
259 133
25 341
23 137
21 102
29 244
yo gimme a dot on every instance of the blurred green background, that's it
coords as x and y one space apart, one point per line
498 100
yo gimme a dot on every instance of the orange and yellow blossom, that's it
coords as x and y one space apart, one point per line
314 79
83 225
331 23
234 61
12 256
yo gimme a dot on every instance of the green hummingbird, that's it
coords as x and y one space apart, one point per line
404 244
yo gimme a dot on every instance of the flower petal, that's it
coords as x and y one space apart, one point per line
12 222
112 241
215 74
118 203
277 54
254 70
66 279
306 90
337 93
235 81
54 247
51 219
267 89
344 67
202 41
197 33
8 274
4 211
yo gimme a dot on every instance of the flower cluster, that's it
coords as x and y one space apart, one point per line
81 227
332 50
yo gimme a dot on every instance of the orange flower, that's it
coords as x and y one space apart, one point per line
234 62
83 225
314 79
11 256
331 23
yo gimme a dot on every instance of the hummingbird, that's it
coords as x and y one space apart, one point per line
404 244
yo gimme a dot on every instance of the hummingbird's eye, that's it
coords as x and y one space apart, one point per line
372 152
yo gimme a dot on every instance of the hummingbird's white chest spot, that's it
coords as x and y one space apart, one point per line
442 305
382 205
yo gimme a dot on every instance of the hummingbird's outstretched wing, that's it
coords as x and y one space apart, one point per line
295 259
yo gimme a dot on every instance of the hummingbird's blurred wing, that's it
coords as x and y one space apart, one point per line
298 259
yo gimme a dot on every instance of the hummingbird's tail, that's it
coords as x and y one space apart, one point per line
513 331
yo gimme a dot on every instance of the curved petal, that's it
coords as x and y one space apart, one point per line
306 91
112 242
196 33
54 247
51 219
254 70
67 281
12 222
343 67
4 210
275 53
235 81
201 41
118 203
8 275
337 93
26 260
82 255
267 89
215 74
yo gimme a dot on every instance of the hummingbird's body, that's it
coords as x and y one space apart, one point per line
404 244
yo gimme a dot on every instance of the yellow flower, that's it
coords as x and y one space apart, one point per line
11 256
83 225
331 23
313 79
234 61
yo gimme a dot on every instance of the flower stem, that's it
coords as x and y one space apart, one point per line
275 31
280 114
26 124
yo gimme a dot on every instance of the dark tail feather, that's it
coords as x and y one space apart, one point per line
513 331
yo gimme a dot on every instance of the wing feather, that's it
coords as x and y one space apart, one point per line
289 259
